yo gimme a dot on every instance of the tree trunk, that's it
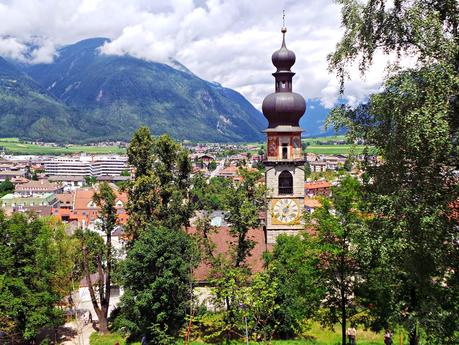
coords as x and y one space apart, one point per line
343 317
343 330
414 339
103 325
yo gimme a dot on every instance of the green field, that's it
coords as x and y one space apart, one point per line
316 336
17 147
335 149
322 139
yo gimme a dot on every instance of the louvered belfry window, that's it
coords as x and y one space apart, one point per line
285 182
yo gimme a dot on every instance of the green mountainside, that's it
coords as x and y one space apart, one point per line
87 96
27 111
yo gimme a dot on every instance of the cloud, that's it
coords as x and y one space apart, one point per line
11 48
227 41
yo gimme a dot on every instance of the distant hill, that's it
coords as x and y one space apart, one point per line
313 121
86 96
28 111
108 97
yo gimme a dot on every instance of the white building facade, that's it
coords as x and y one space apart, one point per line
85 165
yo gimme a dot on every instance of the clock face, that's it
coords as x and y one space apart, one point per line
286 211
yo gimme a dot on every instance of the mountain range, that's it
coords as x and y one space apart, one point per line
86 96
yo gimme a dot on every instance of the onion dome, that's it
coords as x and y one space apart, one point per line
283 58
283 107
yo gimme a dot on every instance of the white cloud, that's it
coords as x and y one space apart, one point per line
11 48
228 41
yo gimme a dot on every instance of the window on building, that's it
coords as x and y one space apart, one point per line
285 182
284 151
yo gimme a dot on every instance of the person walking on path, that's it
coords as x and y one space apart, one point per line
388 337
351 334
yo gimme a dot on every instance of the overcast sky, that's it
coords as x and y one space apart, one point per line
227 41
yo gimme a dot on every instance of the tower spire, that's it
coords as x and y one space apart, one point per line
283 107
284 29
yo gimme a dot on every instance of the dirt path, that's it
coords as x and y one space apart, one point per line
80 333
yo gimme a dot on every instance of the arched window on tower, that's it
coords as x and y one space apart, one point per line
285 182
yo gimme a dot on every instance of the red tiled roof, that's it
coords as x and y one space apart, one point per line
229 170
223 239
311 202
83 197
317 184
65 198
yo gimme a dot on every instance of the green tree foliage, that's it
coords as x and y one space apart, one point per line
243 201
294 264
307 170
157 281
159 194
212 165
426 30
126 173
140 152
90 181
252 299
337 224
209 194
35 274
6 187
259 306
412 241
348 164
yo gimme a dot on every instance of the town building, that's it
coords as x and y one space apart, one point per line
78 207
285 160
11 174
41 204
318 166
316 188
69 182
38 187
86 165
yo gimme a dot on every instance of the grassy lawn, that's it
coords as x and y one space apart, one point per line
15 146
318 335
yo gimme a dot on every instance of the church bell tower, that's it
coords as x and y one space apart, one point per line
284 161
